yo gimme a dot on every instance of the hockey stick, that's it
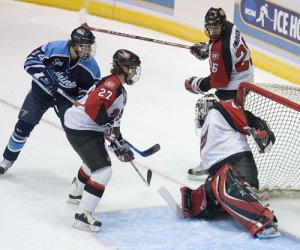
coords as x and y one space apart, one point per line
149 174
84 24
147 152
64 94
165 194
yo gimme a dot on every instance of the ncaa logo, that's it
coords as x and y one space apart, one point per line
249 10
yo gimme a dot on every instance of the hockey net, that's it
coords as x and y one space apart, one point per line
279 105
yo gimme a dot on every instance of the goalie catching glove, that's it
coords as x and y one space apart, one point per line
264 138
121 150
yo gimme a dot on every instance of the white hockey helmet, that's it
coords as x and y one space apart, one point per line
203 106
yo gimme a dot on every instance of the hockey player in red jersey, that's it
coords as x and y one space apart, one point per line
95 118
229 58
230 63
227 157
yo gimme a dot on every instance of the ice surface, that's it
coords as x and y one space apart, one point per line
34 214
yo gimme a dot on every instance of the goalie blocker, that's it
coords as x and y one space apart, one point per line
227 192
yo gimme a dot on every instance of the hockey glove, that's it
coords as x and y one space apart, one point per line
200 50
121 150
193 85
49 81
112 132
80 94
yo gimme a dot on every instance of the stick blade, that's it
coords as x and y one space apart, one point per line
82 16
152 150
165 194
149 176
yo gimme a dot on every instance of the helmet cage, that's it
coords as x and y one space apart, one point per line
85 51
125 58
133 75
203 106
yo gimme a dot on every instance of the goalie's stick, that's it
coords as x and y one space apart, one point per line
165 194
147 152
83 23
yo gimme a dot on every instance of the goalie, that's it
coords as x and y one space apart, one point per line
227 156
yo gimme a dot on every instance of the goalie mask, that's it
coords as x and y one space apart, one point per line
127 63
83 43
203 106
215 23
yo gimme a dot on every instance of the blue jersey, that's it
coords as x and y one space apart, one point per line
75 78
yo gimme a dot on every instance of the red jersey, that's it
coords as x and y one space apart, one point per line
103 104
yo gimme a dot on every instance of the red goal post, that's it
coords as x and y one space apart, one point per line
279 105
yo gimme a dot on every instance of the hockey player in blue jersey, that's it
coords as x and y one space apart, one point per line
69 65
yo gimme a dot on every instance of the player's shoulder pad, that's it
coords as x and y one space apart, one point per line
91 66
57 48
110 82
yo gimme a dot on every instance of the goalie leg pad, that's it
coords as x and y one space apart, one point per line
239 201
193 201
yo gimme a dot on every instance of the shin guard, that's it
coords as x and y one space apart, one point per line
95 187
193 201
239 202
17 140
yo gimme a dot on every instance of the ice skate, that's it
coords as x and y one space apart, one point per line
270 231
74 195
198 173
5 165
85 220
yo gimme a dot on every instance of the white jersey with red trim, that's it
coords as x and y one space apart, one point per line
219 139
103 104
230 60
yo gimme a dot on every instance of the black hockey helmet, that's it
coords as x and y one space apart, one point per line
125 58
82 35
215 17
83 43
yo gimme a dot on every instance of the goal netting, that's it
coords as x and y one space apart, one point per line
279 105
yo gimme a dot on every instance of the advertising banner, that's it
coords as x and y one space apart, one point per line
162 6
271 26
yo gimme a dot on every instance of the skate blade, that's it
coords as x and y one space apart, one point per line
73 201
197 177
83 226
267 235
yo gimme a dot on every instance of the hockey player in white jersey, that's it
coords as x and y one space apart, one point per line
69 65
230 63
227 157
87 125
